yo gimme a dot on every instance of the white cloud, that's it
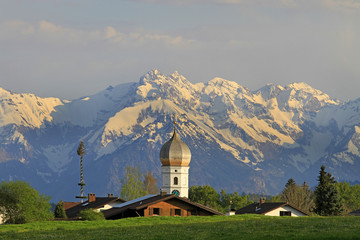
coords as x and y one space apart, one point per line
249 41
347 4
335 4
110 32
10 28
49 32
44 57
49 27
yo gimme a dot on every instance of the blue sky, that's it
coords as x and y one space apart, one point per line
70 49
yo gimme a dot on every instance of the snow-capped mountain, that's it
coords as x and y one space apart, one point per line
240 140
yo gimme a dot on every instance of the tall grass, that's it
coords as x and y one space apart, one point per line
216 227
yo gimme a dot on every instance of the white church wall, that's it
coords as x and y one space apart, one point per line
169 173
294 212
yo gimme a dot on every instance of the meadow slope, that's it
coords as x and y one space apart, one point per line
217 227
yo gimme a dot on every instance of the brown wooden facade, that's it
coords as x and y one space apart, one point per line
174 207
169 205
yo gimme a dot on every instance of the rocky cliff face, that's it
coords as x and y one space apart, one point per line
240 140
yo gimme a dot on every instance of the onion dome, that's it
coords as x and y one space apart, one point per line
175 152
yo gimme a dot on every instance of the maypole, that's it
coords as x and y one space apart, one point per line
81 152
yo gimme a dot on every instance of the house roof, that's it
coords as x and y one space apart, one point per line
175 152
138 204
356 212
98 203
263 208
130 202
68 205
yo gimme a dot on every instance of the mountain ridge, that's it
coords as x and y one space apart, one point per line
241 140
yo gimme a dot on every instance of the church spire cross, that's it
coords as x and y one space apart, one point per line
174 122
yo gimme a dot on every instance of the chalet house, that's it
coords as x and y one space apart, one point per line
159 205
355 213
98 204
272 209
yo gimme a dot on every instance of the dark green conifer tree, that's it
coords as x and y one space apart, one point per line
59 210
290 192
327 199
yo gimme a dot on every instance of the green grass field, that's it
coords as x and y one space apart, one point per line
217 227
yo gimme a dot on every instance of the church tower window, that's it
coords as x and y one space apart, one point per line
176 181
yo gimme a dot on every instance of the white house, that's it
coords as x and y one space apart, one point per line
355 213
98 204
272 209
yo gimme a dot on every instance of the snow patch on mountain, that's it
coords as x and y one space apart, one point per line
269 91
93 110
26 110
10 135
304 91
353 145
154 85
314 150
123 123
58 156
352 148
85 99
346 115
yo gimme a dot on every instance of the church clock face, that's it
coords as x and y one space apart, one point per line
176 192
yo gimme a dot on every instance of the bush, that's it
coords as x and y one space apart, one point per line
20 203
91 215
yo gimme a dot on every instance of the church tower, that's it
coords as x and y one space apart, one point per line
175 158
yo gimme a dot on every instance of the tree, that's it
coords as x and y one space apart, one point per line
20 203
208 196
350 196
299 196
81 152
59 210
327 199
233 200
150 184
291 192
276 198
132 184
307 198
205 195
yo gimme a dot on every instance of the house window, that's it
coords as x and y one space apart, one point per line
285 213
176 182
156 211
177 212
193 212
